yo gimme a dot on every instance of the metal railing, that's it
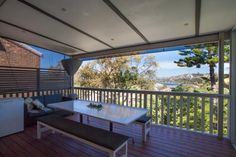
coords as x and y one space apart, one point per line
197 112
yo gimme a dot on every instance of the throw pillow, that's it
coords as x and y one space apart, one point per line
38 104
28 103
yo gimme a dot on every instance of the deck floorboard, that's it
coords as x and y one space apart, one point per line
163 142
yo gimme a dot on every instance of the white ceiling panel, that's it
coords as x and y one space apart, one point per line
15 12
29 38
217 15
93 17
160 19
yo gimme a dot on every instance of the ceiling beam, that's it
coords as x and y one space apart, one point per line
197 16
125 19
49 38
2 2
139 49
63 22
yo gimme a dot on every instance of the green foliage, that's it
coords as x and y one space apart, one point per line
203 55
129 72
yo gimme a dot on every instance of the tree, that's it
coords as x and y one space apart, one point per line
129 72
203 55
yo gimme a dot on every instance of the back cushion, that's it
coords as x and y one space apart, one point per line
40 98
52 98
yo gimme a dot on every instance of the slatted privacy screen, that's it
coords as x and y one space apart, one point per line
190 111
15 79
54 79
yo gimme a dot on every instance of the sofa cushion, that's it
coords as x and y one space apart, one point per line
52 98
39 113
40 98
39 105
36 113
28 103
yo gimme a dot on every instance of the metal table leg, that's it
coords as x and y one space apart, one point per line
111 126
81 118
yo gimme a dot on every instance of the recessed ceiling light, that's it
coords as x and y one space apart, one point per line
63 9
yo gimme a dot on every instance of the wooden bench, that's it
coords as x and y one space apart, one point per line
101 139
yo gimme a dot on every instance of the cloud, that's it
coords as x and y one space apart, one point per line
167 65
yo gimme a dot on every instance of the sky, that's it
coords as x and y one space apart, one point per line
164 57
49 58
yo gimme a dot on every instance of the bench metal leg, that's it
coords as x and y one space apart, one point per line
146 130
88 120
38 131
125 145
111 126
81 118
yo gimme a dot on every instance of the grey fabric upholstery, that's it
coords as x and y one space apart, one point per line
48 99
40 98
37 113
95 135
143 119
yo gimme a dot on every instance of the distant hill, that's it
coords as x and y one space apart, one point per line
184 79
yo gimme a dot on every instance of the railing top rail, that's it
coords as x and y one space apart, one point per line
158 92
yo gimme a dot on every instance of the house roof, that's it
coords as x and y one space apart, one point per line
80 28
27 47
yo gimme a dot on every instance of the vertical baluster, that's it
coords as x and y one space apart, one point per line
127 99
140 100
203 114
83 94
162 109
174 110
156 108
100 96
145 100
119 97
131 97
195 113
181 112
94 95
122 98
136 100
115 97
112 101
108 96
151 105
188 112
211 116
168 110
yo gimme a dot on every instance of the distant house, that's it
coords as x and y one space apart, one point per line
17 54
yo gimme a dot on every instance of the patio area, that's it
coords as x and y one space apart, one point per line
163 142
43 113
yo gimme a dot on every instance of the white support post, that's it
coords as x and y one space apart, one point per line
233 89
221 86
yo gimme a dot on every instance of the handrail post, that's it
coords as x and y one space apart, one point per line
221 86
38 81
145 100
232 117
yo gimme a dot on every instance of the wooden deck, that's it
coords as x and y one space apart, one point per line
163 142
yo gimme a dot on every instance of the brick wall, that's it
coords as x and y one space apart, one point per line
18 55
